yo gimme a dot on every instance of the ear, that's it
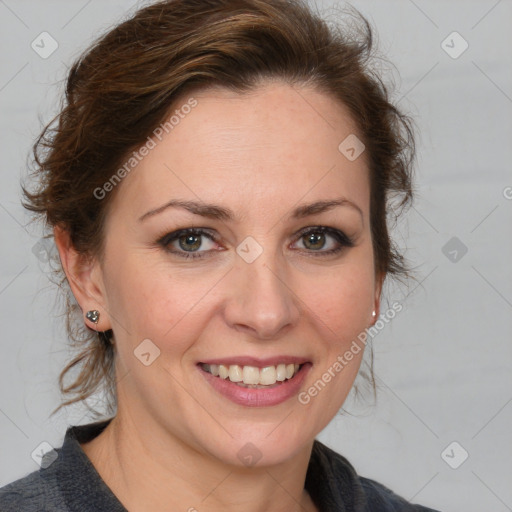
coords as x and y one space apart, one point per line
378 290
85 279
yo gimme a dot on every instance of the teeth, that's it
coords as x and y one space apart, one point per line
268 375
252 375
281 372
235 373
223 371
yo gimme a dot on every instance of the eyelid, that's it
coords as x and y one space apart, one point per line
174 235
334 232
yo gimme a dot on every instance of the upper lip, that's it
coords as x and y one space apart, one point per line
256 361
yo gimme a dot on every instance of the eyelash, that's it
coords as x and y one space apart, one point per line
342 238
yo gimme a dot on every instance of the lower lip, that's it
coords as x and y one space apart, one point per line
262 397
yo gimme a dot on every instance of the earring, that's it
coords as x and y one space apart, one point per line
93 316
373 313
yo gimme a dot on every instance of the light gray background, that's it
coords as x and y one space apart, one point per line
443 365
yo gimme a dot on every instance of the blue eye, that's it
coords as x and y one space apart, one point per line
190 241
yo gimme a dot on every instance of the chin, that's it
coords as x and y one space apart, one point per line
253 449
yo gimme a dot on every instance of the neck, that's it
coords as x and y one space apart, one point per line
151 469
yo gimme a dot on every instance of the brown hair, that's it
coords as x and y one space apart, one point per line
123 87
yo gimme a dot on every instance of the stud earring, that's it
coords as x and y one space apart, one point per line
93 316
373 313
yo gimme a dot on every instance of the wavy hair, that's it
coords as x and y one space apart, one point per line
126 83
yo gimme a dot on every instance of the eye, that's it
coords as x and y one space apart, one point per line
189 242
314 240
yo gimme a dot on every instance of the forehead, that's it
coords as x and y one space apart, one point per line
266 148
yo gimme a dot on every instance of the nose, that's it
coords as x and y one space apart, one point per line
262 302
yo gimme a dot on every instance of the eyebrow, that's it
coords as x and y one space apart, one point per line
213 211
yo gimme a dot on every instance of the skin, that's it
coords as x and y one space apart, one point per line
173 444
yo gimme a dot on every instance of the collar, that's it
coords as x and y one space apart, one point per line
80 484
84 487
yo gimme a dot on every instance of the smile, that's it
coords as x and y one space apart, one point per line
255 386
252 376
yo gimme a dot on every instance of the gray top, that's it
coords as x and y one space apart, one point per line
68 482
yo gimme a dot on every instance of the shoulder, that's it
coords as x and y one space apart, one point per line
359 493
66 480
37 491
32 493
380 497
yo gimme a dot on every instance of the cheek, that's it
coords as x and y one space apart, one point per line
156 300
341 300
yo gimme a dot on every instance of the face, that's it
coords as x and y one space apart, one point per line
258 281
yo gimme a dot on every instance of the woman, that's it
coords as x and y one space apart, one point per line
217 186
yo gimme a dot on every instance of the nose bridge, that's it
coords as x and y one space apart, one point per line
262 300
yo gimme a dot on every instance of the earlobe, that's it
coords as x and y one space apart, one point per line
378 291
82 278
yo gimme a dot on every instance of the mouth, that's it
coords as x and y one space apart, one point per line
255 383
252 376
